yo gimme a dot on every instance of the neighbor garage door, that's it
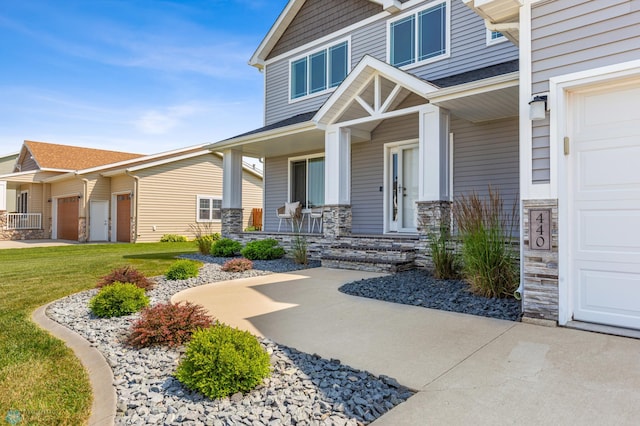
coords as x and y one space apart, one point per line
604 204
68 218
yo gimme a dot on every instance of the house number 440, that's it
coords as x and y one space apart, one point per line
540 229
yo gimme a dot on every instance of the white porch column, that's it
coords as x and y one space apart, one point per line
337 177
433 173
232 179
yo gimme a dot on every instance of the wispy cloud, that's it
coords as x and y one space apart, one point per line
158 122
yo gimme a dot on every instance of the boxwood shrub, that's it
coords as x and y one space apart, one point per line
182 269
118 299
225 247
173 238
266 249
221 361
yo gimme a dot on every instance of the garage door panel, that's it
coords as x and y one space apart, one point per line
607 113
609 231
609 296
627 168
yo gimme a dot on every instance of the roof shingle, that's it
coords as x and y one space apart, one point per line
65 157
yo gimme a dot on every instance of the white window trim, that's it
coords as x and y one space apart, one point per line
301 157
208 197
308 54
492 41
415 12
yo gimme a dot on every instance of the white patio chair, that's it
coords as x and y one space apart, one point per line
288 212
316 218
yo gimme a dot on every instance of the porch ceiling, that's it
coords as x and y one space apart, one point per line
282 144
486 106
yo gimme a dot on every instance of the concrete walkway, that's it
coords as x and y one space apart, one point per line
467 369
34 243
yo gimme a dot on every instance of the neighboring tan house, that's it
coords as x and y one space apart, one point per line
84 194
7 196
381 112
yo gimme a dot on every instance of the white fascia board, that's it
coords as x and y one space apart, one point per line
139 159
60 177
275 32
10 154
156 163
258 137
370 65
475 87
10 175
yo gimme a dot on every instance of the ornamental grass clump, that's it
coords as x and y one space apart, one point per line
126 274
221 360
490 262
118 299
267 249
168 324
443 255
237 265
182 269
226 247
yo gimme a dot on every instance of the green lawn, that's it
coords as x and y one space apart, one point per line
39 376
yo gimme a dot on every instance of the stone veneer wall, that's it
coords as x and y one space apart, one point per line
19 234
540 293
433 216
82 230
232 222
336 221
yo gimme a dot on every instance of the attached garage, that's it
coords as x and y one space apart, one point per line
67 218
602 219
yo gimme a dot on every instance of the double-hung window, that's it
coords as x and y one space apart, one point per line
422 36
319 71
209 208
306 181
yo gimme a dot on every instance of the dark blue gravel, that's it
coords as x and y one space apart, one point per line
420 288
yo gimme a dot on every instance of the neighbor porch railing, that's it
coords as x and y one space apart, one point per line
24 221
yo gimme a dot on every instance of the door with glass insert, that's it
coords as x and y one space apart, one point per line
402 181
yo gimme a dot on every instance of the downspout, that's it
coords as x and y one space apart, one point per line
136 188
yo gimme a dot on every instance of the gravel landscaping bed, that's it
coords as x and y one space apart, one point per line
303 388
420 288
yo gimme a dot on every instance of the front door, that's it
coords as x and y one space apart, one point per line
123 215
604 200
68 218
402 184
99 221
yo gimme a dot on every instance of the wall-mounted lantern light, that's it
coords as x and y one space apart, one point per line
538 108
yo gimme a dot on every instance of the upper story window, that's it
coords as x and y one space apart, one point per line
319 71
420 37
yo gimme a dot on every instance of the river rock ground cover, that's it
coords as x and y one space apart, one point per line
419 288
303 389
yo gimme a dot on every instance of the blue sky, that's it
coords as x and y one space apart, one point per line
141 76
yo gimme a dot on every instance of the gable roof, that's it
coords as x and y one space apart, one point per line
65 157
287 16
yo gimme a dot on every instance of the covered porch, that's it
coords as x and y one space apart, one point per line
378 158
23 206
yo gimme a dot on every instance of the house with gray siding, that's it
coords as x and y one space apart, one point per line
380 112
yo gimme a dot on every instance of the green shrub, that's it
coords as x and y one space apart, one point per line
205 242
225 247
263 250
169 324
173 238
126 274
221 361
118 299
443 254
182 269
490 262
237 265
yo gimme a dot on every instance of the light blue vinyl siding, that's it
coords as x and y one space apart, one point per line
576 35
468 52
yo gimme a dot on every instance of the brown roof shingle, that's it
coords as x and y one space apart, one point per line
54 156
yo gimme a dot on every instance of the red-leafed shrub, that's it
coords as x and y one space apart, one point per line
237 265
126 274
169 324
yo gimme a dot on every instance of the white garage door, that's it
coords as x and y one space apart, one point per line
604 196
